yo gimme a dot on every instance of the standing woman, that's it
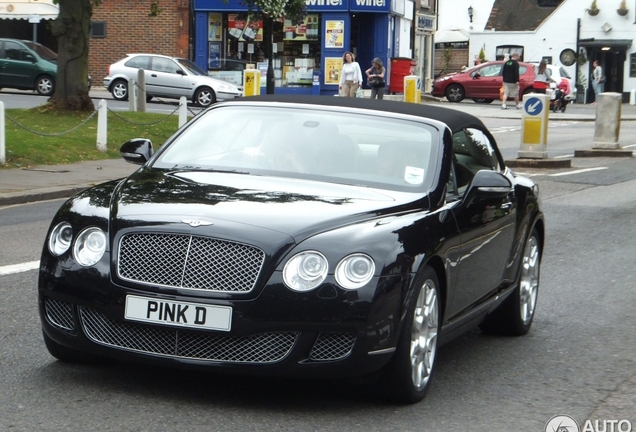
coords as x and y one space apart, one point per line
542 78
350 75
375 78
597 81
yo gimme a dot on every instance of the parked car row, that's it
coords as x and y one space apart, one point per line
28 65
169 77
483 82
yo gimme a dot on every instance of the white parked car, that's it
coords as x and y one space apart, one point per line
168 77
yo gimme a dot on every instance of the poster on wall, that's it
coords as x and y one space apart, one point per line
215 26
334 34
214 56
308 29
248 30
333 66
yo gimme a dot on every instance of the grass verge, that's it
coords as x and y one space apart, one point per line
43 137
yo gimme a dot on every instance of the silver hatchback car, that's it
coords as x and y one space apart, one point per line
168 77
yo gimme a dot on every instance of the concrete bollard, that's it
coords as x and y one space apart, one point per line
141 90
132 95
102 126
608 121
183 111
632 97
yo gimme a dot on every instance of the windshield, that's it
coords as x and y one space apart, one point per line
192 67
361 149
44 52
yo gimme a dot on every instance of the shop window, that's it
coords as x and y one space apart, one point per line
503 50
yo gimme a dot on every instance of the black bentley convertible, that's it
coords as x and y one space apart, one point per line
297 236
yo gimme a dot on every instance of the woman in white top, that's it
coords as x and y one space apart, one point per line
350 76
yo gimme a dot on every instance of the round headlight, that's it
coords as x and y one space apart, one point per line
60 239
305 271
355 271
89 246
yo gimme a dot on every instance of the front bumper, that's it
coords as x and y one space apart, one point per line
326 333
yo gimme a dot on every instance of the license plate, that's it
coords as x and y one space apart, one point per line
182 314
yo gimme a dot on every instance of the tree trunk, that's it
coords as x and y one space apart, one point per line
72 29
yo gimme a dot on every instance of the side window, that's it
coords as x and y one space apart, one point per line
139 62
12 51
492 70
161 64
472 152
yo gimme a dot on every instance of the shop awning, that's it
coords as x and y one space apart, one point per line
452 35
28 9
600 43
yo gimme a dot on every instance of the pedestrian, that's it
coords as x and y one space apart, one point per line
375 78
510 75
350 75
597 81
542 78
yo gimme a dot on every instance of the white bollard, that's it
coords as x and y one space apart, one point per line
3 157
132 95
632 97
102 126
141 90
183 111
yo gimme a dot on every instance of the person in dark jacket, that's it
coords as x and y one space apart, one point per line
510 75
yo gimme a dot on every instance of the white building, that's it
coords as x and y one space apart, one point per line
565 32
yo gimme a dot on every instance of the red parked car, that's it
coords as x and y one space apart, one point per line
481 83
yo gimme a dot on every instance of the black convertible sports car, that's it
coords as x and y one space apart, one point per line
300 236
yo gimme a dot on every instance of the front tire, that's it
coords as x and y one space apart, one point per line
45 85
514 316
455 93
407 377
119 90
204 97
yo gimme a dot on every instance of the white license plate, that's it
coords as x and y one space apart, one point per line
191 315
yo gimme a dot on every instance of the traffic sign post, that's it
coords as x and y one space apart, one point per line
534 126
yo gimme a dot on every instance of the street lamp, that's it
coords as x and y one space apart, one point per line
470 13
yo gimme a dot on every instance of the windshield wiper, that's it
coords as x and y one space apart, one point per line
198 168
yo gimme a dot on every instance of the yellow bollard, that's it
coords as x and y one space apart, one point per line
412 89
251 82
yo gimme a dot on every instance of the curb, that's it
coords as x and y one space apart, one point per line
26 197
603 153
539 163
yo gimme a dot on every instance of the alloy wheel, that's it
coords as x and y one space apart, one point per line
529 283
424 334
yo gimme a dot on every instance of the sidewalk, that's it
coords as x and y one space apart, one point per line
40 183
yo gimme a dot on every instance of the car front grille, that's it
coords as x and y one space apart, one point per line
185 261
332 346
259 348
59 314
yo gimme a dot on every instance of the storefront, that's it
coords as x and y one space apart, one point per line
307 56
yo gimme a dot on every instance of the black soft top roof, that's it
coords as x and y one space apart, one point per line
455 119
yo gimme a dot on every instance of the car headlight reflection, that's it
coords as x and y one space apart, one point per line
89 246
305 271
355 271
61 238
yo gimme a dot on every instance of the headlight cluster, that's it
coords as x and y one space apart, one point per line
89 246
307 270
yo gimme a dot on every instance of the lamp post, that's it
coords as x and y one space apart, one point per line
470 13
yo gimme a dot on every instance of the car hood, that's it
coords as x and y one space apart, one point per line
240 202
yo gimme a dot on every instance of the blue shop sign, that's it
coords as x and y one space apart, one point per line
312 5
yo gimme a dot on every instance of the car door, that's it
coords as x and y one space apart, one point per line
166 78
486 82
487 224
18 66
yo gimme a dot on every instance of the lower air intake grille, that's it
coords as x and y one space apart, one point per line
258 348
332 346
59 314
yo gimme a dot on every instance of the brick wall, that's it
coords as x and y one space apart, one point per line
130 30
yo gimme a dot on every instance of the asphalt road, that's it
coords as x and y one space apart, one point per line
579 359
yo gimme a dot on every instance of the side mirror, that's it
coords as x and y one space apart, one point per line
30 57
180 72
487 184
476 75
137 151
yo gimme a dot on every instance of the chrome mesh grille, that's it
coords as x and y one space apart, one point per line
332 346
59 314
259 348
184 261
